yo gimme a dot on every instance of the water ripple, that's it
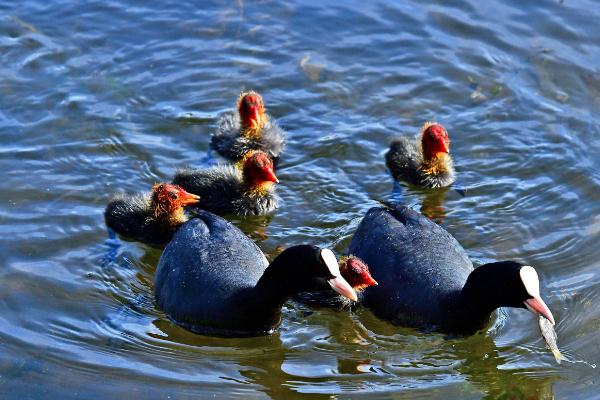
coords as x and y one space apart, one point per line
88 108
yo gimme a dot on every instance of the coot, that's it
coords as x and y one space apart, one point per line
212 279
427 281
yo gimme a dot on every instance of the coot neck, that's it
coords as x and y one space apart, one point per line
480 296
283 278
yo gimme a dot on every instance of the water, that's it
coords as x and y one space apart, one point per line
103 96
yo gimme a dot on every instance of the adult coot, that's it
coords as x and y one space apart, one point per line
355 272
248 128
149 218
424 162
427 281
244 189
212 279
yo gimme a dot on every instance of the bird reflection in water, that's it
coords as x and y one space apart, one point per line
432 205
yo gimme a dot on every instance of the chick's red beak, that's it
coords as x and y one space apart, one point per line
187 199
445 146
537 306
369 281
269 175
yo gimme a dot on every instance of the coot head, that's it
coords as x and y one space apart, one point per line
166 199
356 273
326 269
514 285
258 168
434 140
252 110
307 268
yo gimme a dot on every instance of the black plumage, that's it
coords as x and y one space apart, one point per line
212 279
408 162
149 218
426 279
233 137
227 189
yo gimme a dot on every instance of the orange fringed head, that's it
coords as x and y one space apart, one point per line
434 140
251 107
167 199
356 272
258 168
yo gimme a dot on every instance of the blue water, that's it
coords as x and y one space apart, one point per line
98 97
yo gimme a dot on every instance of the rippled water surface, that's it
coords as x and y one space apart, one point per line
103 96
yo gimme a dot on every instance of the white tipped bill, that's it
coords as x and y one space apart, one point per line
339 284
342 287
537 306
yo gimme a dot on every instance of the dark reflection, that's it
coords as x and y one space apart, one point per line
150 257
171 332
480 362
265 370
351 366
145 276
259 359
432 200
256 227
477 359
346 331
433 204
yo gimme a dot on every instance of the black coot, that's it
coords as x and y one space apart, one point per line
427 281
212 279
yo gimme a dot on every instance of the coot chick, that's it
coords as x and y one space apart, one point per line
427 281
244 189
248 128
424 162
150 218
355 272
212 279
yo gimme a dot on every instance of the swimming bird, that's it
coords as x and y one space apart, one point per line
427 281
424 162
249 127
151 218
243 189
212 279
355 272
